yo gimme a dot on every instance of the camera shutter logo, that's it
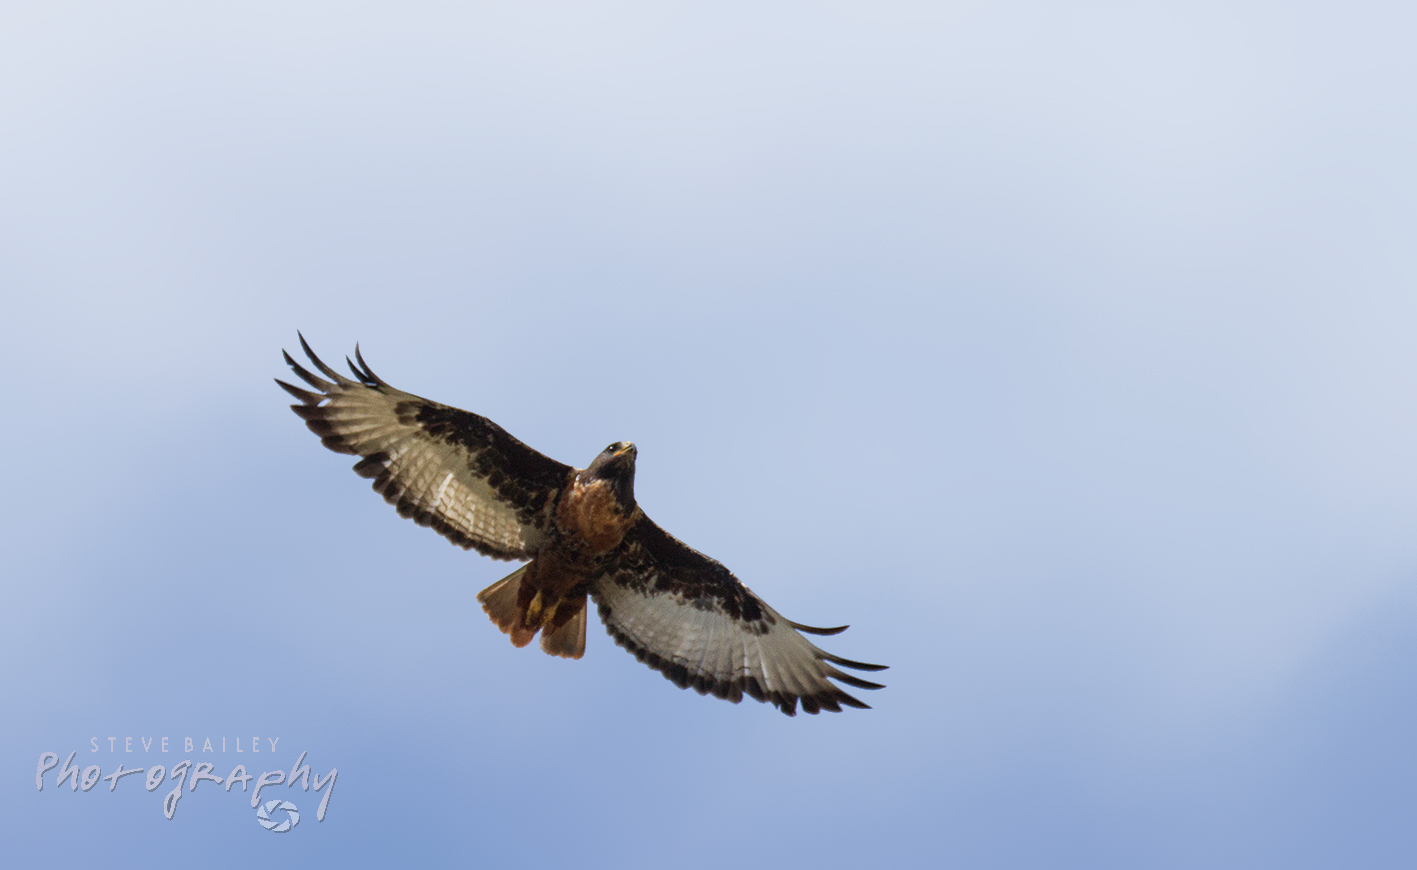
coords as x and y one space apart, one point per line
264 816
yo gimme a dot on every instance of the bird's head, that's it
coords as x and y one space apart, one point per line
616 464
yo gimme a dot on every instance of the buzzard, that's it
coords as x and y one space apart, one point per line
675 609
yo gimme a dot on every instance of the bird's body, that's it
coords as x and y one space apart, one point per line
589 524
674 608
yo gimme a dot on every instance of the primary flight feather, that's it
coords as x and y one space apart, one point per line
675 609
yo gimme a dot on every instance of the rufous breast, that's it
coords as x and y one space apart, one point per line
591 516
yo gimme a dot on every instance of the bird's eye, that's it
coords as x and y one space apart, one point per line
611 448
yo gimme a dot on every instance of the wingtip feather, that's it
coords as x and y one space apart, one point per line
819 631
320 364
305 396
848 663
368 372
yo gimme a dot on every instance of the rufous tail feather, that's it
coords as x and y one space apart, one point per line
521 611
499 601
567 639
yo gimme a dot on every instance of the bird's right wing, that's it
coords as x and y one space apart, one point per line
455 471
688 617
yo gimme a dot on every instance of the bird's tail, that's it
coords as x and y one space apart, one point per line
519 610
564 633
499 601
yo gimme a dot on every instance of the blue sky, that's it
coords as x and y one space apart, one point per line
1064 351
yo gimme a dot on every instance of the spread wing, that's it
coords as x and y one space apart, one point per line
457 472
688 617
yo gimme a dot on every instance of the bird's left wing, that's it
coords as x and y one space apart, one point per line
688 617
457 472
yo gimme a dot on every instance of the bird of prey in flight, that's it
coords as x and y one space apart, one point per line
675 609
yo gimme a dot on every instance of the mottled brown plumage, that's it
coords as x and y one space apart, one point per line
674 608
